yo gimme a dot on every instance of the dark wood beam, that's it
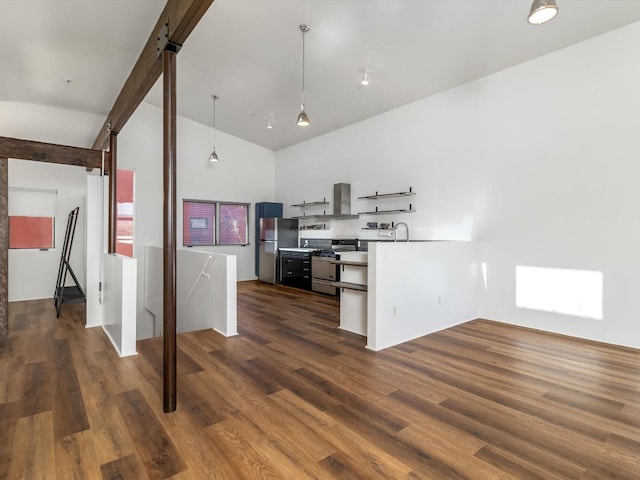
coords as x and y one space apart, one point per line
113 192
51 153
182 16
169 229
4 246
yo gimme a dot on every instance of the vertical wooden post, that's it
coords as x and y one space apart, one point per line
169 229
4 246
113 192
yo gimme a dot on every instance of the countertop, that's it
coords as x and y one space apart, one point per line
296 249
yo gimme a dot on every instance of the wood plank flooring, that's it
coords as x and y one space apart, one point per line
294 397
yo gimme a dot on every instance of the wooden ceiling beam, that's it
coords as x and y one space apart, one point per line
52 153
182 17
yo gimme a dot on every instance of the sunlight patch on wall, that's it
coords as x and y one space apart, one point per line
558 290
483 267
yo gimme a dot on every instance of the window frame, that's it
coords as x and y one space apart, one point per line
217 228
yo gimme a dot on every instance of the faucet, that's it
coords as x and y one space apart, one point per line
395 231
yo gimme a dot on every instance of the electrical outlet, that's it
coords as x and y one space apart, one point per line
393 311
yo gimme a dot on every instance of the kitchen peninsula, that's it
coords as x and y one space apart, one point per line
398 291
417 288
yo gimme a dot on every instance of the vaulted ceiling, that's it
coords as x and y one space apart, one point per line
77 54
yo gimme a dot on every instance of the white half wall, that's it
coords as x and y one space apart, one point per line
245 173
119 302
33 273
538 164
94 234
419 288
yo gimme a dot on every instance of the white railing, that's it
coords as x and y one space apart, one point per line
206 292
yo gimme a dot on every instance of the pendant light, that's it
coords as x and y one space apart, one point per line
542 11
303 118
214 156
365 78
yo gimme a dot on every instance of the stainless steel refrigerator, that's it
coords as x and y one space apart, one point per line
275 233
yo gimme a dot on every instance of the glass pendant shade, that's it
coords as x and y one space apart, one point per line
303 118
542 11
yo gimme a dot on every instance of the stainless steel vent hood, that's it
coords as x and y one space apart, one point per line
341 202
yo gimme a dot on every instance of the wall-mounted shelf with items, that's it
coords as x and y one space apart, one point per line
388 195
314 226
382 196
311 204
379 226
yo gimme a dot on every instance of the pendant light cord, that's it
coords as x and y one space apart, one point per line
303 35
214 120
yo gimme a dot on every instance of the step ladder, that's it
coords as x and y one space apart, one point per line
70 294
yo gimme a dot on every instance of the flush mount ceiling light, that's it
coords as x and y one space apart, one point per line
365 78
542 11
214 156
303 118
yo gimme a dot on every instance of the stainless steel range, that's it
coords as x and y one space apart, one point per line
323 269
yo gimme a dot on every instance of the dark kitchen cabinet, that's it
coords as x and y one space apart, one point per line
295 269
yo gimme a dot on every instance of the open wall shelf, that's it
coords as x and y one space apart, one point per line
388 195
311 204
382 212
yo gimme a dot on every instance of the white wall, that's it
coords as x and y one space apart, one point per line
418 288
54 125
245 173
33 273
539 164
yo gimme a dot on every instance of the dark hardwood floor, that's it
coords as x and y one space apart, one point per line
294 397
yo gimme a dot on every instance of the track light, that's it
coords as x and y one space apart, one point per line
303 118
542 11
214 156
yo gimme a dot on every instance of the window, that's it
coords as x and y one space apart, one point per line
234 219
199 219
207 223
124 220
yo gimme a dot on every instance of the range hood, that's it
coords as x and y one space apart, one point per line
341 203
